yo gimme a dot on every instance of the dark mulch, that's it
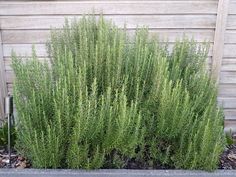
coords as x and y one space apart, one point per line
135 164
228 158
227 161
17 161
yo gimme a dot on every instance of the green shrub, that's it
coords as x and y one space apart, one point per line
4 135
107 98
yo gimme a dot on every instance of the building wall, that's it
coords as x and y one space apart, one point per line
227 87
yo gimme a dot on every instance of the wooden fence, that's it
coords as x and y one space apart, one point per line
23 23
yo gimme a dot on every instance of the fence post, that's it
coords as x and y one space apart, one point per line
3 87
218 46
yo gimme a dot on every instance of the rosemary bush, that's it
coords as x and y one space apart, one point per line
106 99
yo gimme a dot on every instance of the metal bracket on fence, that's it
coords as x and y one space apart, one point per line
9 114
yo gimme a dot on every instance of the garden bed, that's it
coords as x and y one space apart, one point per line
228 158
227 161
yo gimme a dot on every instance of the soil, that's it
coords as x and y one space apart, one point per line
17 161
227 160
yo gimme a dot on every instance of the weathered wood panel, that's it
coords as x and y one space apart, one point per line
230 125
228 64
227 90
109 7
2 81
230 114
229 50
131 21
232 7
218 47
231 22
227 103
230 37
24 49
227 87
228 77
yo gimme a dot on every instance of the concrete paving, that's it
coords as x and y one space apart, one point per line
114 173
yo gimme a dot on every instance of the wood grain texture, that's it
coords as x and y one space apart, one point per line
230 37
131 21
227 90
230 114
227 103
228 77
230 126
218 47
24 49
3 88
232 7
228 64
95 1
109 7
229 50
231 22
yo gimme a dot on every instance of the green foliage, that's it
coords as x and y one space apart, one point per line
4 135
106 98
229 138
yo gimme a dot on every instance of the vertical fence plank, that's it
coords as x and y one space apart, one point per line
218 47
3 88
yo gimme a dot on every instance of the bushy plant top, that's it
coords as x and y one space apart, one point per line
106 100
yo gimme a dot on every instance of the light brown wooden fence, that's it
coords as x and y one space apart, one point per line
23 23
